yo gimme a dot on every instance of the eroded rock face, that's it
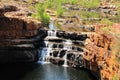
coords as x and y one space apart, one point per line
17 28
99 56
20 36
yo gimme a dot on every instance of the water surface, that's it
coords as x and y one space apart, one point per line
39 71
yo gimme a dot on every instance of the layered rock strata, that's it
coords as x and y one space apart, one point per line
20 36
99 56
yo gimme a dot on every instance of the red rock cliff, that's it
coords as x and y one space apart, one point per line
16 24
100 56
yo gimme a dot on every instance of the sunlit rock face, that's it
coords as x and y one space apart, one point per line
8 8
100 57
20 36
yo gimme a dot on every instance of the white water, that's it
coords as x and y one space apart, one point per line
45 52
51 26
68 42
68 47
52 34
49 49
65 60
42 56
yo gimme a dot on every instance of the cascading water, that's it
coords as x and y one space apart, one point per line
67 47
51 33
46 50
51 26
52 51
42 51
65 60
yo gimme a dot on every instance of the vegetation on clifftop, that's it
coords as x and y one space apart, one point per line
90 3
41 14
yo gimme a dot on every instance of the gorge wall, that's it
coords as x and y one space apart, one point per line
100 57
20 35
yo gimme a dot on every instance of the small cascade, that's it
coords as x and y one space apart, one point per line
42 52
58 53
46 43
49 49
68 42
65 60
59 50
47 56
45 52
52 33
67 45
51 26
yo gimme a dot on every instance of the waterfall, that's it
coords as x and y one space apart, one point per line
68 41
51 26
52 34
45 52
68 47
49 49
42 54
65 60
57 49
47 55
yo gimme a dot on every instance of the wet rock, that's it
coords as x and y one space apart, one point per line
79 49
61 46
55 53
72 36
54 45
70 57
62 53
57 61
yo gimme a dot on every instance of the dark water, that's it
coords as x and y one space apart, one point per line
37 71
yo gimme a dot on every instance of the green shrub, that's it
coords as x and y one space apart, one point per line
41 14
73 1
115 78
87 14
59 10
45 19
107 29
106 22
90 3
49 4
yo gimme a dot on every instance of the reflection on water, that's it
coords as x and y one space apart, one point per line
37 71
